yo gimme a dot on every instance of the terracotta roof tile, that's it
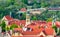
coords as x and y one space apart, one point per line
23 9
49 24
57 24
49 31
18 29
33 32
8 17
27 36
17 22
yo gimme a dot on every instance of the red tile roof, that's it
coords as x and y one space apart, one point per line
49 31
23 9
57 24
18 22
18 29
23 22
49 24
33 26
27 36
8 17
31 36
38 23
34 32
14 22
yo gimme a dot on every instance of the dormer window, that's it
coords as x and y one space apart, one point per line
27 29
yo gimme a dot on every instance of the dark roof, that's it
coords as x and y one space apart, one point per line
53 8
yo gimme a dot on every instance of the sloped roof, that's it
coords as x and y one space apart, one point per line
14 22
18 29
17 22
49 24
49 31
27 36
8 17
23 22
23 10
57 24
34 32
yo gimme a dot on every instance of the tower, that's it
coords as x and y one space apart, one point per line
27 18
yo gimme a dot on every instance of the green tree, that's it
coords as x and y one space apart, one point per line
7 28
58 32
7 6
13 26
49 19
55 28
34 18
3 25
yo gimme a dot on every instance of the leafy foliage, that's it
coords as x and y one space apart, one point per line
54 26
7 28
3 25
13 6
13 26
49 19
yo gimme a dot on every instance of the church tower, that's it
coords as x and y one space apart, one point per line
27 18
